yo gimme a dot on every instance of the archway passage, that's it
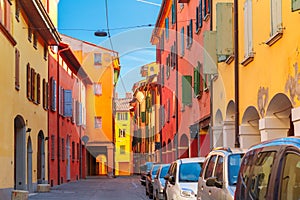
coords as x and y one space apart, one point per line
19 153
29 165
41 158
184 147
277 122
249 129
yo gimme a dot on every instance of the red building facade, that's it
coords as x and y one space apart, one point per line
185 99
67 82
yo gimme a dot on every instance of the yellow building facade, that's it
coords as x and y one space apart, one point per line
24 38
123 137
268 73
102 66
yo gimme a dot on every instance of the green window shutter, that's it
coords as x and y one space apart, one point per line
143 116
162 76
167 27
196 81
224 21
186 90
295 5
210 54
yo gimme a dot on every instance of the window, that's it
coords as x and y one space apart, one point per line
5 14
122 116
122 149
122 133
167 27
190 34
73 151
168 65
35 40
248 28
97 59
197 80
210 167
61 101
290 180
45 94
17 69
52 147
276 17
162 75
199 16
182 41
206 8
234 163
32 72
295 5
219 169
168 110
45 52
97 88
173 56
189 172
78 152
28 86
38 90
53 94
187 90
79 111
68 103
18 9
173 12
63 149
143 116
98 122
260 176
162 41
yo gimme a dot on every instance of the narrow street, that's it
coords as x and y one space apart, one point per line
125 188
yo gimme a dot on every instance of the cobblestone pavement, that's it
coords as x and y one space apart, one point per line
124 188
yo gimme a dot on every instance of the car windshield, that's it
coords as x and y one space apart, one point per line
189 172
148 166
163 171
234 163
154 169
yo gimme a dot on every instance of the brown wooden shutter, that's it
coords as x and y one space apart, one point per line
38 85
32 97
28 82
17 69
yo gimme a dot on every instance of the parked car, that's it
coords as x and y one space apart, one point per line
219 175
159 182
145 169
182 178
150 180
270 170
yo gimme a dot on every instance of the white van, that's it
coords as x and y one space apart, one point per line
182 178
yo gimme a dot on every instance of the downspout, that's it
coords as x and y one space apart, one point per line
211 92
236 73
176 66
57 112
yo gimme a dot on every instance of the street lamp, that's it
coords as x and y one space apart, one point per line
100 33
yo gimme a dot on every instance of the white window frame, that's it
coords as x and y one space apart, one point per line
276 17
98 122
248 28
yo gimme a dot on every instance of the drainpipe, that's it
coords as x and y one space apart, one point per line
176 68
57 111
236 73
212 77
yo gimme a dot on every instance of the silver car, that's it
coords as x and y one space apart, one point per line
219 175
159 182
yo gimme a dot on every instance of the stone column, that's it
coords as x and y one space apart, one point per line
296 120
217 136
272 127
249 135
228 134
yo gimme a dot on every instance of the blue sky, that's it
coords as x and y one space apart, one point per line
81 18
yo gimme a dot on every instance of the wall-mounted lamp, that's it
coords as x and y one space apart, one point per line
28 130
46 138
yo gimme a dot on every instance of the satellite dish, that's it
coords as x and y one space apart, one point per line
85 139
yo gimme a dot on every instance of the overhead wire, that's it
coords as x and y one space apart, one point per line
110 41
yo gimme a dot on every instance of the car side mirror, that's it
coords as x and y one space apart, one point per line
171 180
212 182
166 177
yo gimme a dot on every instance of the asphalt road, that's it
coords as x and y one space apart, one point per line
125 188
